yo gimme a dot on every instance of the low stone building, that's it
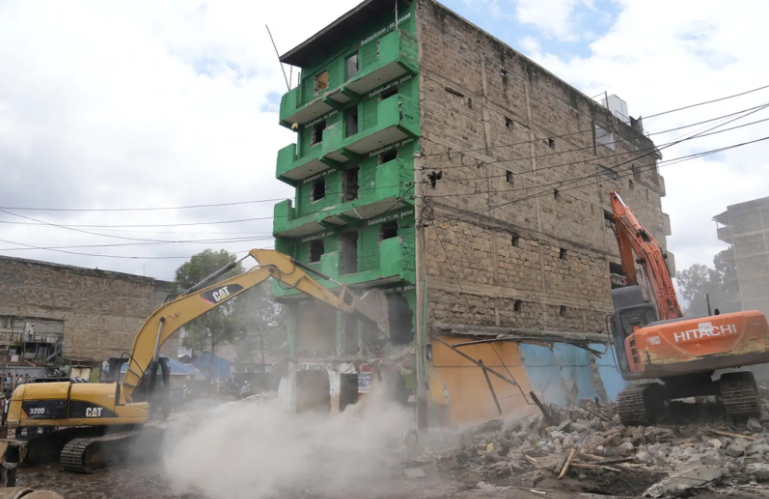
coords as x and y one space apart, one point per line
54 314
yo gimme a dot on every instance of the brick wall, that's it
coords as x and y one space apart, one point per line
102 311
477 97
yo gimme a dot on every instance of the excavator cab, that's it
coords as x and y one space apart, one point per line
631 312
155 384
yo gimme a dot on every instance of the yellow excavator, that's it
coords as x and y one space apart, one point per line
90 425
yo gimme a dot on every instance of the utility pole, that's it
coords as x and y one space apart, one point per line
421 336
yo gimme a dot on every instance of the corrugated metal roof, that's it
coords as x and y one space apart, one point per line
323 43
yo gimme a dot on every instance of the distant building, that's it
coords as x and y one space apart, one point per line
746 227
52 315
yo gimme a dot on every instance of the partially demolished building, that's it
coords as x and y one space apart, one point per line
745 226
437 163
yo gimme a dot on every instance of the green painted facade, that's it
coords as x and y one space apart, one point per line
383 96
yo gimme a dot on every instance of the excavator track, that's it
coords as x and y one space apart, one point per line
631 407
86 455
740 395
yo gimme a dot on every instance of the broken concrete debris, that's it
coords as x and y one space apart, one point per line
589 446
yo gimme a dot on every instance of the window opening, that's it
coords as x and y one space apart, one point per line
350 184
348 243
317 132
517 305
550 143
352 65
608 219
388 156
515 239
318 189
509 177
616 268
352 121
508 122
389 230
400 318
321 82
604 137
562 254
348 390
388 93
562 311
316 251
556 194
607 172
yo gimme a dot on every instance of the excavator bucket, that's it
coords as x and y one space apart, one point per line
372 305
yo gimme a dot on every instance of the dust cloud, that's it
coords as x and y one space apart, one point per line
258 450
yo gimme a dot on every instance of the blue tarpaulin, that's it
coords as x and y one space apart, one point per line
221 368
177 369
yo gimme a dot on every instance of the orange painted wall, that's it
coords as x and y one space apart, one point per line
470 398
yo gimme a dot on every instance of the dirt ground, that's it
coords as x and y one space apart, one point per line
147 482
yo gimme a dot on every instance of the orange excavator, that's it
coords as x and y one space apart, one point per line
675 356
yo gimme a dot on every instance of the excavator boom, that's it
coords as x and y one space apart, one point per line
633 237
173 315
82 412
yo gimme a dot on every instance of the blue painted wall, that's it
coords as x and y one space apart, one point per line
567 368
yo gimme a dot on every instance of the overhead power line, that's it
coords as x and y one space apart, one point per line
591 160
255 201
164 208
706 102
620 174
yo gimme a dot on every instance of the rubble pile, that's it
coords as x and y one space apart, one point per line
587 447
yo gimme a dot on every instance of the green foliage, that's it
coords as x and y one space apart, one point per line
699 280
248 320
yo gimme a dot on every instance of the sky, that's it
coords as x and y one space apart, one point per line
145 104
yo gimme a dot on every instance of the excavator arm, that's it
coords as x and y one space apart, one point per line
632 237
198 300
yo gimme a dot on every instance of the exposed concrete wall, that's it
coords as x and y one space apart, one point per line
477 97
102 311
747 229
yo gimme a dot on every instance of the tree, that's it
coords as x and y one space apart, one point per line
260 324
252 320
217 325
700 280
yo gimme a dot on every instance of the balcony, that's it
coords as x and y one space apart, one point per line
291 168
388 193
397 120
397 58
725 234
396 263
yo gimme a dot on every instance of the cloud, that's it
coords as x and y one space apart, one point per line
555 18
142 104
658 63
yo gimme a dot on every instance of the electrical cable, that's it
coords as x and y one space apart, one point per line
601 173
590 130
619 175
